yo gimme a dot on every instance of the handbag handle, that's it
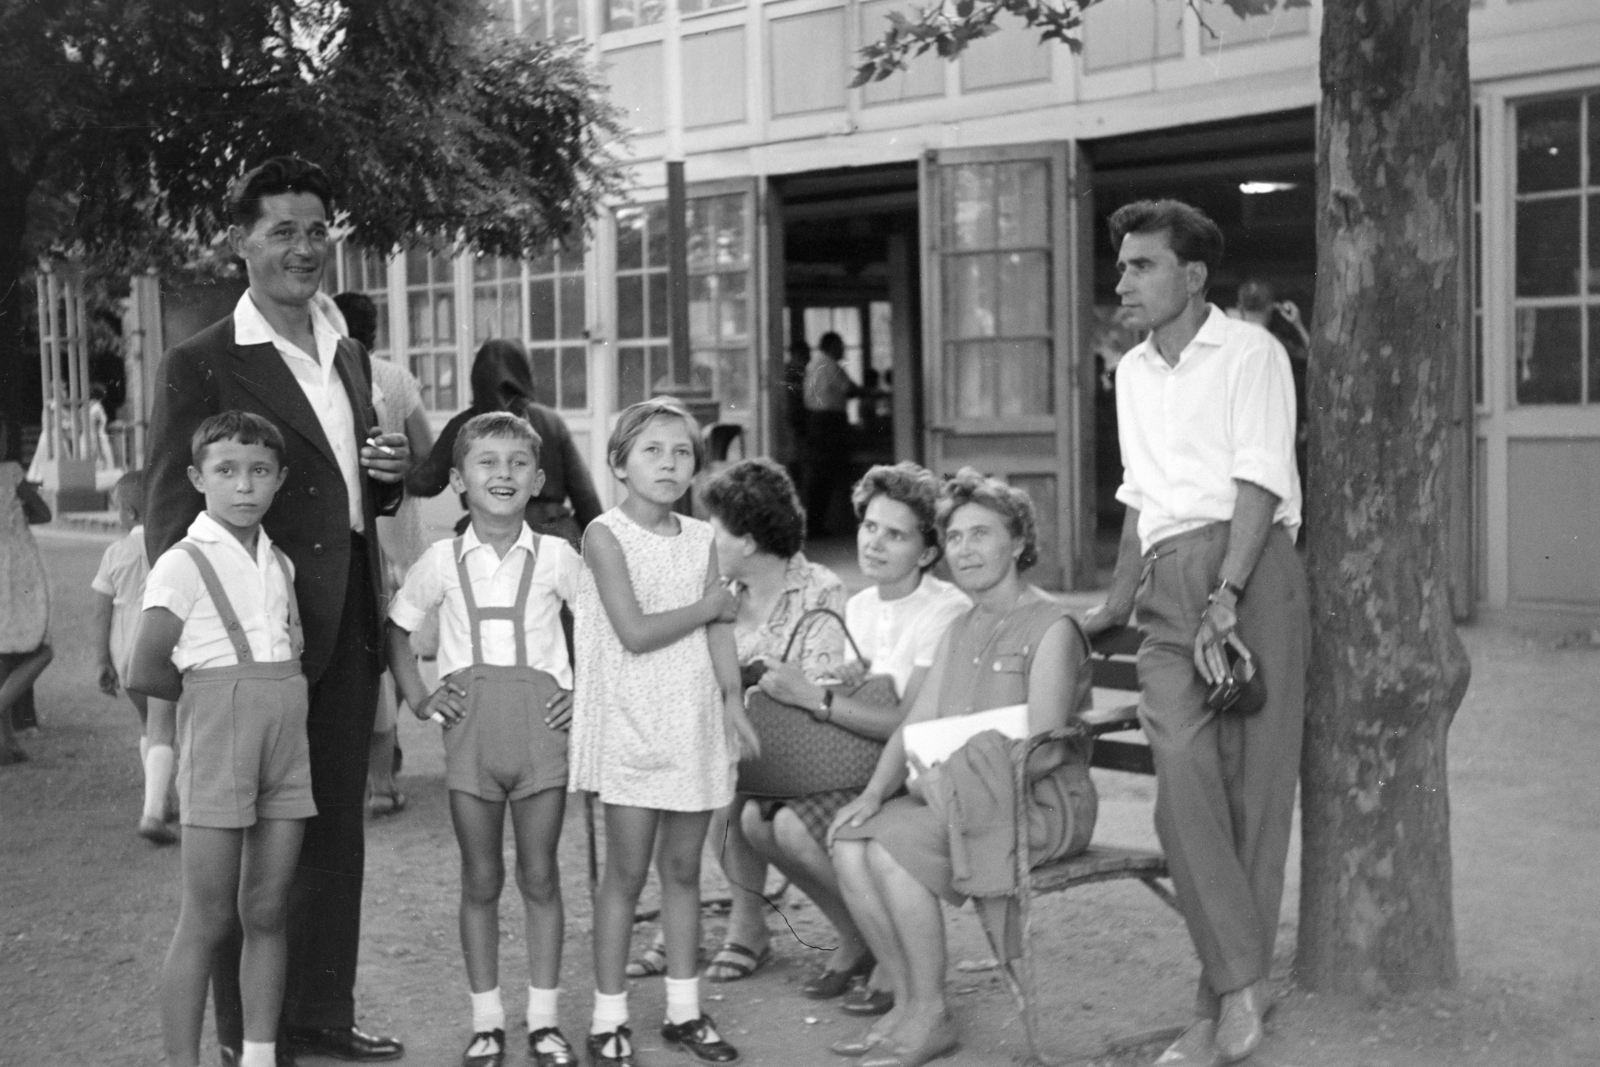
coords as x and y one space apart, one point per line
799 623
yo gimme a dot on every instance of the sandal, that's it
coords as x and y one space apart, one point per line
651 962
734 962
829 983
381 804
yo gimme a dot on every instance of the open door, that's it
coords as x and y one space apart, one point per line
1004 290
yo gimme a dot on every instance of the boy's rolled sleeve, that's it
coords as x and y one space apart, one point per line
174 584
422 590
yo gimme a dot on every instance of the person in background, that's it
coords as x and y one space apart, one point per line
828 390
25 623
398 401
119 598
502 380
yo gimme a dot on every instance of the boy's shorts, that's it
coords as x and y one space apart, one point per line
242 751
502 750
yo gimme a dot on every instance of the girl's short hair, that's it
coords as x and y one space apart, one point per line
635 417
245 427
1013 505
910 484
494 424
756 497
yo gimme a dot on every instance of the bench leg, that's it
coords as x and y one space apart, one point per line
1161 891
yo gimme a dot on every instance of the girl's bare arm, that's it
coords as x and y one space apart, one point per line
639 632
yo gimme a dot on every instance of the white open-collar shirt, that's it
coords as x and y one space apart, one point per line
434 581
319 380
1224 411
255 587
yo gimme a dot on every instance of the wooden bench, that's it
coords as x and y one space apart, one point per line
1114 668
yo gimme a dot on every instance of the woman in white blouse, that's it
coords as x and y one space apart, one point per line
897 622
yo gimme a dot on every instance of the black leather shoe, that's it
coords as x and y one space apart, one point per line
700 1037
345 1043
231 1056
623 1047
559 1051
491 1049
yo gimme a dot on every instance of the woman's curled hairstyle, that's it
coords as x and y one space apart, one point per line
910 484
1013 505
755 497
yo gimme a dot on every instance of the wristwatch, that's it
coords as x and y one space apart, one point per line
1223 585
827 705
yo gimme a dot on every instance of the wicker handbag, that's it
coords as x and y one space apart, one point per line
800 755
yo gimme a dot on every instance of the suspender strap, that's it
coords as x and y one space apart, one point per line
225 612
297 638
476 615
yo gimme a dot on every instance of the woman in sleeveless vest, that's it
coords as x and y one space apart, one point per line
893 854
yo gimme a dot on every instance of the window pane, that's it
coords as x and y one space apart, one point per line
1594 353
420 371
971 371
1024 368
630 308
733 372
630 376
651 11
619 15
482 268
444 317
545 261
702 306
533 20
1547 356
447 380
731 231
542 362
656 294
701 232
571 261
970 206
656 235
1594 229
485 315
660 373
542 308
1023 211
734 320
443 271
1547 247
630 238
565 20
1547 145
382 303
574 378
970 295
416 266
1024 294
421 324
572 315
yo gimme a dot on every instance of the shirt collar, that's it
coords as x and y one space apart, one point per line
1212 334
470 541
250 327
205 528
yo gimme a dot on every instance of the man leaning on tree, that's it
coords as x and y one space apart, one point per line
1206 418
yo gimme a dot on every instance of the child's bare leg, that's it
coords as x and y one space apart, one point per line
15 679
682 835
158 757
480 826
536 821
630 835
210 903
380 764
271 851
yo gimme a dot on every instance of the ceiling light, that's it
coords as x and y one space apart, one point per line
1256 188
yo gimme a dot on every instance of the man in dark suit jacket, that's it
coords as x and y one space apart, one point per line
278 356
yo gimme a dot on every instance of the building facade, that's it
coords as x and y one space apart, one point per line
948 223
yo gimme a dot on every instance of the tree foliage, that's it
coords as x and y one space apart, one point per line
948 27
122 123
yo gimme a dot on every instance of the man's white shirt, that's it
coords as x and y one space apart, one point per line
319 380
1225 411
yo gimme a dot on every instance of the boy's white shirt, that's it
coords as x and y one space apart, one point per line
433 581
122 574
255 587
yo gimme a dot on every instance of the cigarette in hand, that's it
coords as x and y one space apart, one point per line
372 442
438 717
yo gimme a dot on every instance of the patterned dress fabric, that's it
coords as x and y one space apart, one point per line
23 590
647 728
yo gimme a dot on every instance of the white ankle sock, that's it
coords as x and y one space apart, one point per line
543 1009
144 747
258 1053
610 1012
683 1000
488 1013
158 761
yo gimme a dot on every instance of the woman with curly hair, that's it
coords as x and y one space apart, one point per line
1017 645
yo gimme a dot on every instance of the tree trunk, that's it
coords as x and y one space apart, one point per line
19 377
1387 669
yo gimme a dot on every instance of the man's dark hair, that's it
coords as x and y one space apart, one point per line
245 427
756 497
280 174
832 345
360 317
1190 231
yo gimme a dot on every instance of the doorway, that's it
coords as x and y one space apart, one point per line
848 266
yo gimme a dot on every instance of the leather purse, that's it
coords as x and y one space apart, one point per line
801 756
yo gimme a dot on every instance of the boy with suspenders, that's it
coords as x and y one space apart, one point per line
220 634
505 703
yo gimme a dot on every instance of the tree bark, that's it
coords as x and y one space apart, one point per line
1388 669
19 379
